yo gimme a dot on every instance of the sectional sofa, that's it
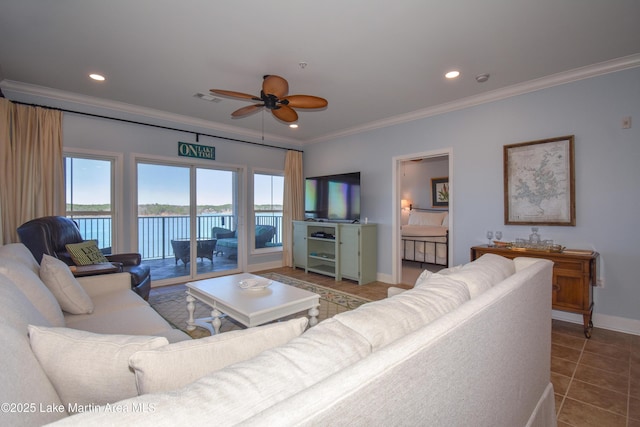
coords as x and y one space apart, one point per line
468 346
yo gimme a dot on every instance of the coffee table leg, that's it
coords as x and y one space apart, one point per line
191 306
313 316
215 320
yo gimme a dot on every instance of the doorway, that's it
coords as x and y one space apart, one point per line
182 212
415 176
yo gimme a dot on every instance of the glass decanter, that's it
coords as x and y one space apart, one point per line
534 237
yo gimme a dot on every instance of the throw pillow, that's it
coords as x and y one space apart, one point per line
87 368
68 292
32 287
423 277
178 364
19 253
86 253
426 218
483 273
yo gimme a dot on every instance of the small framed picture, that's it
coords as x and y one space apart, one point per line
440 192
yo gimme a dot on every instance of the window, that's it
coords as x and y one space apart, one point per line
89 193
177 232
268 195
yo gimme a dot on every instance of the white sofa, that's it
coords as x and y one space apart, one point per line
26 300
467 347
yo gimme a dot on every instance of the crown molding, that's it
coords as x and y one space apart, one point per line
620 64
88 102
57 98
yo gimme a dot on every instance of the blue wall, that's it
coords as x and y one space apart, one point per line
607 160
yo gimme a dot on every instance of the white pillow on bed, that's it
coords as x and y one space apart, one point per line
426 218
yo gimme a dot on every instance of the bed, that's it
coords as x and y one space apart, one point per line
425 239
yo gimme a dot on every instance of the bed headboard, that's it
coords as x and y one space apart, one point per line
411 207
426 216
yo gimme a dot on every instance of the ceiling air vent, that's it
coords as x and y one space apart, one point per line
207 97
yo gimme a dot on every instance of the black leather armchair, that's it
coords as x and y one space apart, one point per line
49 235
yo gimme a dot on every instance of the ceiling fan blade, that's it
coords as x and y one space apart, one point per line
284 113
275 85
241 112
233 94
305 101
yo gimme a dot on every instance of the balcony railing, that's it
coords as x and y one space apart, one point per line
156 232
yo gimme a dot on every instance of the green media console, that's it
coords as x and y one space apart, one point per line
341 250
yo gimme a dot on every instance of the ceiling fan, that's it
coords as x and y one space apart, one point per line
273 96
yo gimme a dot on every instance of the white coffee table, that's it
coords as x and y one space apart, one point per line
249 307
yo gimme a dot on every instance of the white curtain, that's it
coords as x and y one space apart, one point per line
31 166
293 209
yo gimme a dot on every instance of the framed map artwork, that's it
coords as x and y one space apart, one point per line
539 182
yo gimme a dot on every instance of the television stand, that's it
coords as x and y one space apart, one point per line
340 250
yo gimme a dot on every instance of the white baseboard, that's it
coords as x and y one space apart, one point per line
604 321
385 278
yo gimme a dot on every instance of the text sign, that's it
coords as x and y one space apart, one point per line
187 149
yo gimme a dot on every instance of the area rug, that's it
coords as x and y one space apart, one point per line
172 305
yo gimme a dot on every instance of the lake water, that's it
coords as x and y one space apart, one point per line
156 232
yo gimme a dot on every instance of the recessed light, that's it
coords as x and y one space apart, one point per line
97 77
293 126
452 74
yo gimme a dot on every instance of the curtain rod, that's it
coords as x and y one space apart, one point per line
197 134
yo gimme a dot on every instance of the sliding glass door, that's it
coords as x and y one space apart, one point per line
181 209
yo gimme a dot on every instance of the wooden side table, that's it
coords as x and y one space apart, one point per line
574 274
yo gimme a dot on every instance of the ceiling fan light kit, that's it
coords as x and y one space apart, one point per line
274 98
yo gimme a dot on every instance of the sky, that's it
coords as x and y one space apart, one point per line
164 184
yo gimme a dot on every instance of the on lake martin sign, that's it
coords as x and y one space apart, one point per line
187 149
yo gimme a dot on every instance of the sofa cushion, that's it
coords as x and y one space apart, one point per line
87 368
134 320
484 272
243 389
17 310
33 289
25 383
228 235
176 365
22 378
68 292
521 263
382 322
21 254
264 234
86 253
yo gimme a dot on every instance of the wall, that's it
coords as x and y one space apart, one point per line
607 174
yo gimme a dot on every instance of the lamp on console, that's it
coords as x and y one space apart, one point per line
405 205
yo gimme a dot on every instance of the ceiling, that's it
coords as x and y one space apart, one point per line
377 62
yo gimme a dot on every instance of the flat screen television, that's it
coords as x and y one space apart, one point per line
333 197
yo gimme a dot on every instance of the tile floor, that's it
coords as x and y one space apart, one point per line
596 381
